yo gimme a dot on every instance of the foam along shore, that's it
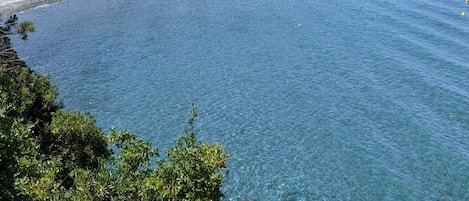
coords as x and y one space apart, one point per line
8 7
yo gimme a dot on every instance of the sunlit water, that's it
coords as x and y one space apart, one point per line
314 100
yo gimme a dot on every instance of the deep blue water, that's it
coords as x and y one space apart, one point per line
314 100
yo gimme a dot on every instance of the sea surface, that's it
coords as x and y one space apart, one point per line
313 100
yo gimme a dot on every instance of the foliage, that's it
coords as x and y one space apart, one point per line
193 170
77 140
15 143
50 154
26 103
43 183
131 165
11 26
8 57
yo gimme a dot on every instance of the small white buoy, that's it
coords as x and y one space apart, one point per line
463 14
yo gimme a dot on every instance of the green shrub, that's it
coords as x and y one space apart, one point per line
193 170
50 154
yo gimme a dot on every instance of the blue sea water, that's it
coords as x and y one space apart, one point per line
313 100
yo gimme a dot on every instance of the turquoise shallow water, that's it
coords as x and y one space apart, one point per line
325 100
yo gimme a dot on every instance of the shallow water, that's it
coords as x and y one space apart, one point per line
363 100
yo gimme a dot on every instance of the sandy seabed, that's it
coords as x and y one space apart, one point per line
8 7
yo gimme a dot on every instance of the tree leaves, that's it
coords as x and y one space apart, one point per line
50 154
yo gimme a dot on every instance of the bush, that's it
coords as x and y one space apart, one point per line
50 154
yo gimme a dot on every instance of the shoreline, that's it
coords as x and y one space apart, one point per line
10 7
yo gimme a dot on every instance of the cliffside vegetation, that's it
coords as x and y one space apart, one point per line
47 153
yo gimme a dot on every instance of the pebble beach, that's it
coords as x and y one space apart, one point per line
8 7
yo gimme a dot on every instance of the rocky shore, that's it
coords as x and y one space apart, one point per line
8 7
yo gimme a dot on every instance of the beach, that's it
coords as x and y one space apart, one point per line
8 7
